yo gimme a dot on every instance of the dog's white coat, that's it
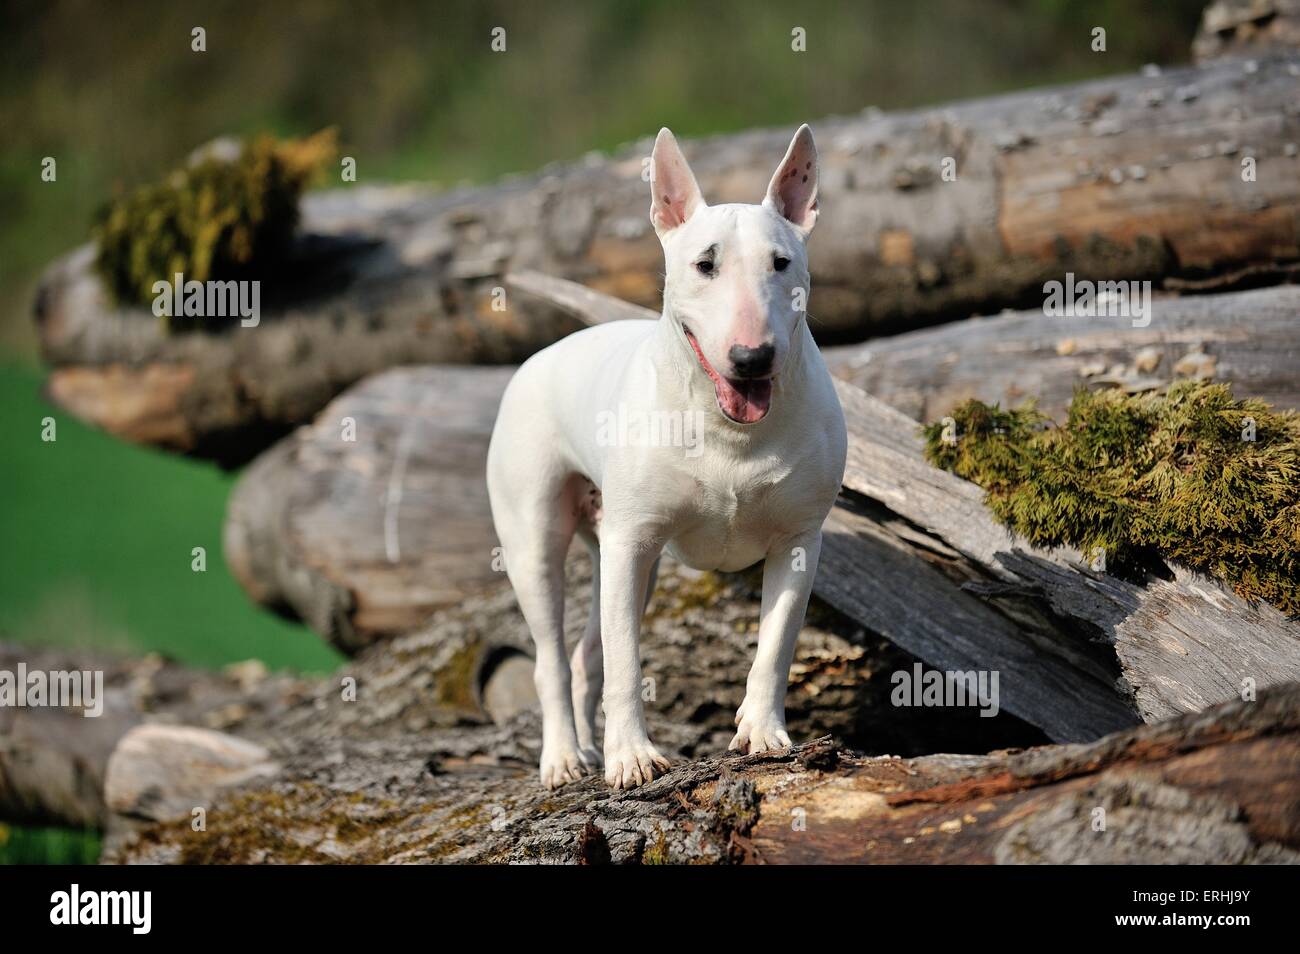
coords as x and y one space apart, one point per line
744 493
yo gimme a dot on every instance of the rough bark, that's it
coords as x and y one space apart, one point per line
1246 338
412 770
1130 178
1212 787
461 667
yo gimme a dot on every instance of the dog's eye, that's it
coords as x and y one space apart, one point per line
704 266
779 263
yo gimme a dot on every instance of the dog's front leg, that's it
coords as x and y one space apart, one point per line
625 567
788 573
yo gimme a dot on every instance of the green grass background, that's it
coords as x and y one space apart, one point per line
98 544
95 535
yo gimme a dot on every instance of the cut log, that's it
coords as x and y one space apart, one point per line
1245 338
375 514
1216 787
228 393
1136 177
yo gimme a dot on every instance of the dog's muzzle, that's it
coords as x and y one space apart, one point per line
744 400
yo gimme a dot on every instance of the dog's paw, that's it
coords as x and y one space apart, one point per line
564 765
760 733
632 765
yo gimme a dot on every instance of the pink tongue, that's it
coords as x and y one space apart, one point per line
744 401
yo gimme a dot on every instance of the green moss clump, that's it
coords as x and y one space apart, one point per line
1173 475
216 219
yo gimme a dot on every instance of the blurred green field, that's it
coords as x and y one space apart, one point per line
97 535
98 543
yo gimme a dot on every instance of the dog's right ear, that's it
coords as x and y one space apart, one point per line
675 195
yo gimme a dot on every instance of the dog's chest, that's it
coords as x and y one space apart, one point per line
733 514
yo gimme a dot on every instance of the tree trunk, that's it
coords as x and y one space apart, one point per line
1182 642
1136 177
466 672
364 521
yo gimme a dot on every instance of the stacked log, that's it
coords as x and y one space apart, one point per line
927 216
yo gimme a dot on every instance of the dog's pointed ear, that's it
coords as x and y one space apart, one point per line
793 190
675 195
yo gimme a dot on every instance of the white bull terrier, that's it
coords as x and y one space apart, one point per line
750 465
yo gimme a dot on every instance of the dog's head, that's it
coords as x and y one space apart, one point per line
737 275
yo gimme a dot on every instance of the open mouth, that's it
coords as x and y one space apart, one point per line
743 400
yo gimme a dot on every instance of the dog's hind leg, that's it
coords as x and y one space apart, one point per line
535 526
587 664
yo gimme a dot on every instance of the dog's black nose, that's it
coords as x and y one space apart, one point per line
752 362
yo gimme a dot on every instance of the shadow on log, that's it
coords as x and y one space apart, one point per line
1136 177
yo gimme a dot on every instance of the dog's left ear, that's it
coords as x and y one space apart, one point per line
793 190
